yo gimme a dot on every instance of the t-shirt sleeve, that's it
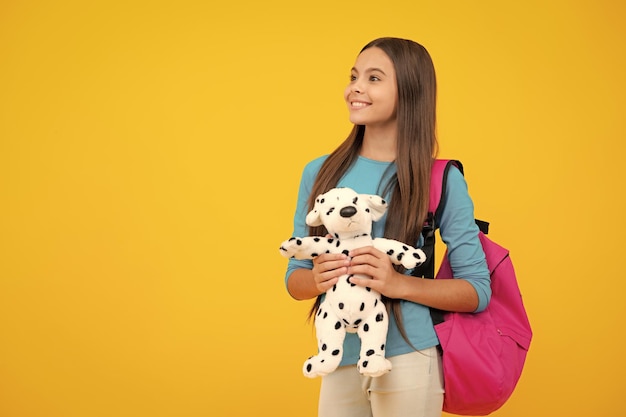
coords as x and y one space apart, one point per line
300 228
459 232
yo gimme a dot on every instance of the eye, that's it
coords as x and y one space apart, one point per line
352 77
355 200
374 78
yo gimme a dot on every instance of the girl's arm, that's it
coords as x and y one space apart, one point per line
471 290
444 294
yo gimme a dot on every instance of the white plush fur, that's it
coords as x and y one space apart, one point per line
348 217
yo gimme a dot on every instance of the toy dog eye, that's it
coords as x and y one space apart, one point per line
355 200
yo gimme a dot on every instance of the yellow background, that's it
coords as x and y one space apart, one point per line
150 154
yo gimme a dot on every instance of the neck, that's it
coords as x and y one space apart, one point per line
379 144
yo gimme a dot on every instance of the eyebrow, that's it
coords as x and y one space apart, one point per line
370 70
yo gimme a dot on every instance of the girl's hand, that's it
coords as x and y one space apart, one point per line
370 261
327 268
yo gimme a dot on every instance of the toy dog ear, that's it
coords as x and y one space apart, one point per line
376 204
314 218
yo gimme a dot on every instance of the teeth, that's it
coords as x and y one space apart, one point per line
358 104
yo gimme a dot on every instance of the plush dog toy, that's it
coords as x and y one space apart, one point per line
348 217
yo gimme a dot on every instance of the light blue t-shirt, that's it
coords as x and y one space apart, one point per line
458 231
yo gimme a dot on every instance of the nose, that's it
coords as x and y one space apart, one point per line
347 211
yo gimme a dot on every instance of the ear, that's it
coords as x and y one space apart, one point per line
376 204
313 218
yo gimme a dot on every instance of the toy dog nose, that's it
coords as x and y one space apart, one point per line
347 211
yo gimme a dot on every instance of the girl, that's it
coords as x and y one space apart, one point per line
391 101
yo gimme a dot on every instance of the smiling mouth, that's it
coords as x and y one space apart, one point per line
358 104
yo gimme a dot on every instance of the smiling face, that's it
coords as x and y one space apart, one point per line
372 94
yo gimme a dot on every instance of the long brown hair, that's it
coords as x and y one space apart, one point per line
416 148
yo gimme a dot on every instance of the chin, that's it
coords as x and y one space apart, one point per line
358 120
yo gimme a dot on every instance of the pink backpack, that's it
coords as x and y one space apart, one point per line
483 353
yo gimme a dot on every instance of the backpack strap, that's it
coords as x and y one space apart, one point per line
437 192
438 181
